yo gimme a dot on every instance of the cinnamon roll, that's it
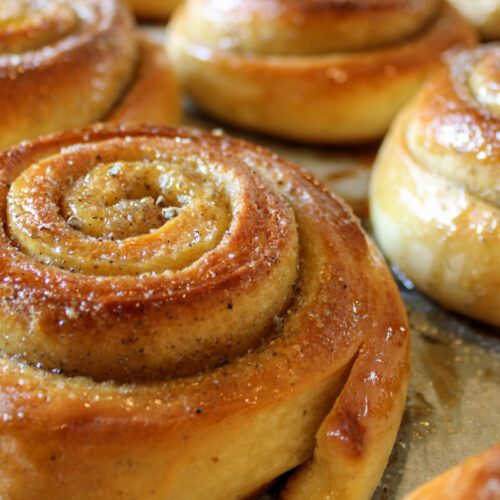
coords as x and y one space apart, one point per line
184 315
155 10
478 478
65 64
319 71
485 14
435 193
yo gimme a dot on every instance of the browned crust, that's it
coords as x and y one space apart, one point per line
289 27
435 191
453 130
339 97
129 308
98 63
340 318
41 91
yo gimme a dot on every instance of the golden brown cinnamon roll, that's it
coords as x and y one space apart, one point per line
184 315
156 10
485 14
65 64
478 478
435 194
316 71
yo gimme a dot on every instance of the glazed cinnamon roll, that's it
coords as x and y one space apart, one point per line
478 478
485 14
185 315
65 64
318 71
156 10
435 194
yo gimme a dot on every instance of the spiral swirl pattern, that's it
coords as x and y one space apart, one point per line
201 296
66 64
447 146
140 211
315 71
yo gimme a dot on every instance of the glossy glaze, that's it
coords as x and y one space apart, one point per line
330 367
66 64
436 186
310 71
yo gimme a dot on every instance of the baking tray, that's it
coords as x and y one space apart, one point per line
453 407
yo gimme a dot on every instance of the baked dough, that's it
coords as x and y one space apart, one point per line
184 315
65 64
435 192
318 71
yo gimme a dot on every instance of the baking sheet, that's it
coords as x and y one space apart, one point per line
453 407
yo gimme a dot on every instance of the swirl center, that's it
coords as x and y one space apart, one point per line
126 199
127 216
